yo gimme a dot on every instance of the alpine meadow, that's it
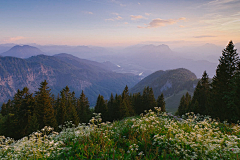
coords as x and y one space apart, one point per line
120 80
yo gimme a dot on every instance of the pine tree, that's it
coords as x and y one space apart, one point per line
33 125
181 108
232 97
44 108
129 111
67 107
110 106
101 107
201 96
61 109
137 103
18 111
226 70
148 99
161 103
184 104
117 106
83 108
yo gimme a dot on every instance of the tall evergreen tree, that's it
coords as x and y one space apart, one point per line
148 99
184 104
111 109
201 96
226 70
101 107
44 108
61 110
83 108
129 111
67 107
181 108
137 103
33 125
232 97
117 106
17 118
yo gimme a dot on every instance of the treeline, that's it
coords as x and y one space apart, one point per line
219 97
29 112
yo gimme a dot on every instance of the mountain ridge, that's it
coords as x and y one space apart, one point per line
24 51
17 73
169 82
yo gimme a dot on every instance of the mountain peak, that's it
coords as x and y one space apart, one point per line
24 51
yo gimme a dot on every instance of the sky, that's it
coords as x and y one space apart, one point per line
111 23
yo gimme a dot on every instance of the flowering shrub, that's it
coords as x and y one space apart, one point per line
153 135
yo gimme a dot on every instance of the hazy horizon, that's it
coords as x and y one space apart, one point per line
115 23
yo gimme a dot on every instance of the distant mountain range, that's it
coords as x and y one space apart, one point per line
139 59
170 83
59 71
24 51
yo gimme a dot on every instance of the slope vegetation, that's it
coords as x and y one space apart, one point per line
170 83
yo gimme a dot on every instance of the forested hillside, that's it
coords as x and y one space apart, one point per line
171 83
29 112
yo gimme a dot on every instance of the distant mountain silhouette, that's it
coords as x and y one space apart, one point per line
24 51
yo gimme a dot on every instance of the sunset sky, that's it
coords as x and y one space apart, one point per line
119 22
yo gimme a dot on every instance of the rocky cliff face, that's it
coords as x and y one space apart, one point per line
16 73
14 77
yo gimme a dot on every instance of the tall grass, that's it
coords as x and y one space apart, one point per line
153 135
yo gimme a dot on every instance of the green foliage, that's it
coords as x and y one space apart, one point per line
167 82
184 104
201 97
173 101
152 136
44 108
221 83
161 103
101 107
220 98
83 108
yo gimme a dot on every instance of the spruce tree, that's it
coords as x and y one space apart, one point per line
201 96
129 111
161 103
67 107
184 104
232 97
148 99
110 106
33 125
83 108
181 108
101 107
61 109
18 113
137 103
226 70
44 108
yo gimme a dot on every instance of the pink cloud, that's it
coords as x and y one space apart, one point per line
158 22
136 17
13 39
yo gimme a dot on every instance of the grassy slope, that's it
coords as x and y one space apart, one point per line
173 101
